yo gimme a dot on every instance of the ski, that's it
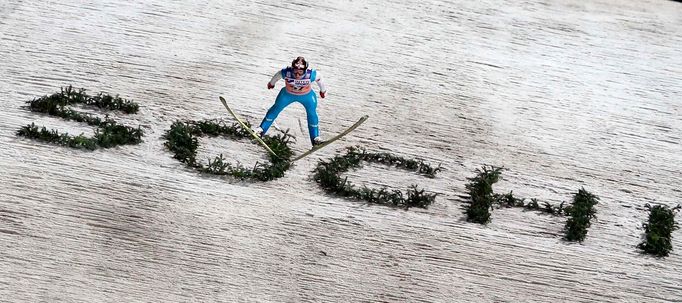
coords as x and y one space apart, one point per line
243 125
325 143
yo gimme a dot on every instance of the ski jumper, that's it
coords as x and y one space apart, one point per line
296 90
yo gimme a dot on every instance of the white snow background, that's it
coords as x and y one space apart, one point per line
563 94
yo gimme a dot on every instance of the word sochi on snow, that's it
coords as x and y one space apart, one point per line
182 141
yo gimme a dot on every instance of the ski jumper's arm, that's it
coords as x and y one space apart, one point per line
275 78
320 84
318 79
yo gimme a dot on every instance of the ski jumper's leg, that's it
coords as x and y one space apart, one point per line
309 101
283 100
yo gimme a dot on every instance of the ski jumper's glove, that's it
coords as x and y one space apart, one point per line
322 94
270 85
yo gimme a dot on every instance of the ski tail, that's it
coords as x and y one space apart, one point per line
331 140
249 130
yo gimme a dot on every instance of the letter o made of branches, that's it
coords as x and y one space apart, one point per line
182 140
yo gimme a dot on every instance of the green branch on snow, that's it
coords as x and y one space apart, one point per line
509 200
480 189
182 140
482 199
658 231
55 104
581 212
327 174
108 132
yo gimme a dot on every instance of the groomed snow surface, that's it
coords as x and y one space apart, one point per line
563 94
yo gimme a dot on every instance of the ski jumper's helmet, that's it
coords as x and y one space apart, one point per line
299 63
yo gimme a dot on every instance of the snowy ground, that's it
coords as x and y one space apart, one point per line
565 94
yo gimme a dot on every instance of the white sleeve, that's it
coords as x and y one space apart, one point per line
276 77
319 82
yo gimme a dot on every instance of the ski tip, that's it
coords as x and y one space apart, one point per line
221 98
